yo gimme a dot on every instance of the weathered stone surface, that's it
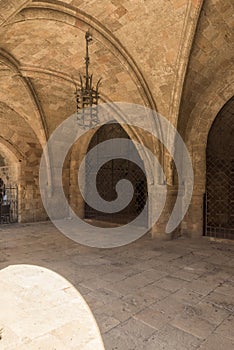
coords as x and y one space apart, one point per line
161 54
40 309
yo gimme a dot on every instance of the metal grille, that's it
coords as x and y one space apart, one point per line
108 176
9 205
219 199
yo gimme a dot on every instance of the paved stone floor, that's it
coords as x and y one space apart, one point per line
151 295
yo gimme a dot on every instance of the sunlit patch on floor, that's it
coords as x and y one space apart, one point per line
42 310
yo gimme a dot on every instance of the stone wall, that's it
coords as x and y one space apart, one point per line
172 56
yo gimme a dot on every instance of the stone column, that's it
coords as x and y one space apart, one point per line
159 229
193 223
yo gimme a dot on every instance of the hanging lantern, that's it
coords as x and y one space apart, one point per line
87 96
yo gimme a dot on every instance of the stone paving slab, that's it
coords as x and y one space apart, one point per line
172 338
151 294
217 342
41 310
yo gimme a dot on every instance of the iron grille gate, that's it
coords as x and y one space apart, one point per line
219 198
108 176
9 205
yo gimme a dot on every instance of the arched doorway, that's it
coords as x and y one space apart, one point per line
219 199
110 173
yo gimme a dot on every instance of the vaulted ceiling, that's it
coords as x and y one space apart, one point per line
209 82
144 50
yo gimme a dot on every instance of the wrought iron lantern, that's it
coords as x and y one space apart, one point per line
87 96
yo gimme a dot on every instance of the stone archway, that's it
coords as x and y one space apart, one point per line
109 175
219 199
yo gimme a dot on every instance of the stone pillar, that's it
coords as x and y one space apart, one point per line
159 229
193 223
30 207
